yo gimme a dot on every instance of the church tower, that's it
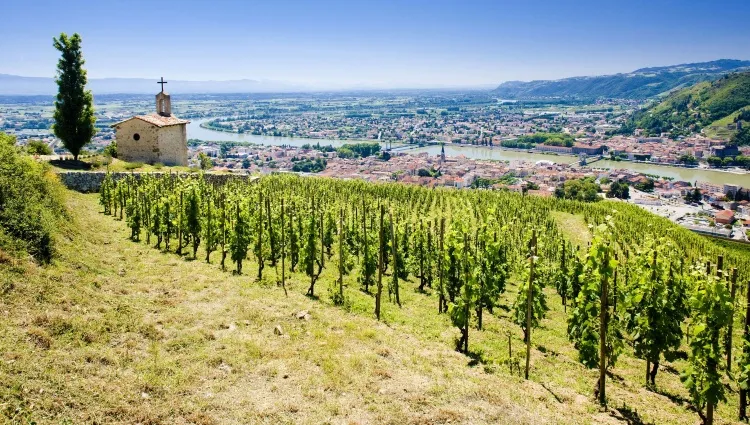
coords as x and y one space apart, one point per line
163 101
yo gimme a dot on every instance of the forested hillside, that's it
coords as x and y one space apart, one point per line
708 105
640 84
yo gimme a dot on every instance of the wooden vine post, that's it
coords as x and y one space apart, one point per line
364 243
341 254
653 279
441 290
283 249
529 301
394 252
223 231
259 246
743 393
379 291
614 288
564 290
467 293
733 291
603 337
711 363
271 235
179 227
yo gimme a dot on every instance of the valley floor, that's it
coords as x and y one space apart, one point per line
118 332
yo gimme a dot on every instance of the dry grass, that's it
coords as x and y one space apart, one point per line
101 163
117 332
573 227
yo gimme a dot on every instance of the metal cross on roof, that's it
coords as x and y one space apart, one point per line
162 82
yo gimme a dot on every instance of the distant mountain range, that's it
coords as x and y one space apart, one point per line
15 85
639 84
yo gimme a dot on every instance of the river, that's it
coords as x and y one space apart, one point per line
499 154
677 173
195 131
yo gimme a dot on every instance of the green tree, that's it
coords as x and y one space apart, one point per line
74 109
205 161
715 161
37 147
619 190
647 186
585 190
111 149
694 195
688 159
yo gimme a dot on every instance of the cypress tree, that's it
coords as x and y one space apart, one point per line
74 110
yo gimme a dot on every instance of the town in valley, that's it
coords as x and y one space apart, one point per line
460 139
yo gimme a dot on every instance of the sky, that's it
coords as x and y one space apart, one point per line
372 43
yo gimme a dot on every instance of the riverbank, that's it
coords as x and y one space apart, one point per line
732 170
204 125
719 177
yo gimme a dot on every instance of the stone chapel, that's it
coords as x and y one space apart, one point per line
153 138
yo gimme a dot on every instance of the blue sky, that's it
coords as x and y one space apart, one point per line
379 43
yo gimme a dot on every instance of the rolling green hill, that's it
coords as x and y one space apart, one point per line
639 84
710 106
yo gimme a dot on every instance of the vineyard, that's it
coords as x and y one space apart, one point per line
634 284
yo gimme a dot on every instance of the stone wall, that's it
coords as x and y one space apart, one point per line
91 181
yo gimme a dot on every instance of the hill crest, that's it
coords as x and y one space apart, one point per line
639 84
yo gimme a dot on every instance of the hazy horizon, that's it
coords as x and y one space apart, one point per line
372 44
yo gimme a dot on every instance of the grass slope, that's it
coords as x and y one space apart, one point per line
116 332
104 163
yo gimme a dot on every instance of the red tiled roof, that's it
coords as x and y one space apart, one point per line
725 214
156 120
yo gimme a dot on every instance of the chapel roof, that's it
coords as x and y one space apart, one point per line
155 119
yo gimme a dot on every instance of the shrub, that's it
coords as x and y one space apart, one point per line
111 150
30 203
133 165
37 147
